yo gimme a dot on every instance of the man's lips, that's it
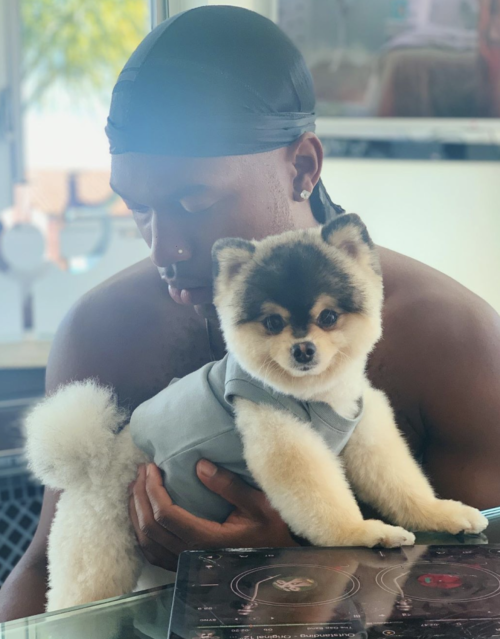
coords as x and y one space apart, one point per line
191 296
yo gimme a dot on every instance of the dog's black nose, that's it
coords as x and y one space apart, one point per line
303 352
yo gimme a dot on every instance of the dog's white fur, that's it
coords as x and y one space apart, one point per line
72 446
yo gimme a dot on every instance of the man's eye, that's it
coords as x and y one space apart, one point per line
198 209
327 318
274 324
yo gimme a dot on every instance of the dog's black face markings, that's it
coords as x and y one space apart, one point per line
294 277
230 242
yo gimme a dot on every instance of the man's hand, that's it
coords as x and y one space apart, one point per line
164 530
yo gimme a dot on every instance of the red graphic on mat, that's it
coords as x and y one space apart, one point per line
446 582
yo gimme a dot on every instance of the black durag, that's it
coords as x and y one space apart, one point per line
215 81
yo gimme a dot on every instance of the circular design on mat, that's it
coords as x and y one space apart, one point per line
439 581
295 585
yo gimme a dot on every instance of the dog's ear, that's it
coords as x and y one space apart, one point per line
229 255
348 233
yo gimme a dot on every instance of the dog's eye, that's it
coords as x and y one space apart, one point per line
327 318
274 324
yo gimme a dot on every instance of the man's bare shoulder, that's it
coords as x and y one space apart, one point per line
441 360
434 329
128 333
420 297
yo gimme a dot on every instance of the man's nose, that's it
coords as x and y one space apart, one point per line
168 243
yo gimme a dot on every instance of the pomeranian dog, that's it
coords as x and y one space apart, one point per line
300 313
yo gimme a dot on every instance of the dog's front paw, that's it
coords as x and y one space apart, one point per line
454 517
376 533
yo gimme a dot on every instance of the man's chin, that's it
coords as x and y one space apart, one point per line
192 296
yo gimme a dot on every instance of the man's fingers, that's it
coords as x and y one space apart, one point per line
175 519
155 488
148 527
152 551
163 527
232 488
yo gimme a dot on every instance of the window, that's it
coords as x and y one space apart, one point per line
62 230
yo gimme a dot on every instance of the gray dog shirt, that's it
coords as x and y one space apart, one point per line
193 418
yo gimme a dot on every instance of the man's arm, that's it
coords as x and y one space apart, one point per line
23 593
439 364
461 406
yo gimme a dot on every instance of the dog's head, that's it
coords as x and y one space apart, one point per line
297 308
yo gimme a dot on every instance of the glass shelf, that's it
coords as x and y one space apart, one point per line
146 614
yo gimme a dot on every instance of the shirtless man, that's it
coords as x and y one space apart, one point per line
189 179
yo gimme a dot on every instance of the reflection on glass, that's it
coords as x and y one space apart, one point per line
400 58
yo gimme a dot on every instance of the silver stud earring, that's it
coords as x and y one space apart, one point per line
180 251
305 195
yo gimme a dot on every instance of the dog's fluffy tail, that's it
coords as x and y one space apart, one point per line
71 436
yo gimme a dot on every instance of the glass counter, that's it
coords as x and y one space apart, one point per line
147 614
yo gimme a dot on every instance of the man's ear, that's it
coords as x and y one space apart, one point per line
348 234
306 155
229 255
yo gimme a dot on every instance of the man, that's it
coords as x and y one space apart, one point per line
211 132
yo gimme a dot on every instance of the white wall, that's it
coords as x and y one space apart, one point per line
446 214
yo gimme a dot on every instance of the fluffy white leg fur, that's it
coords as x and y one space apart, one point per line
383 473
73 446
305 481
